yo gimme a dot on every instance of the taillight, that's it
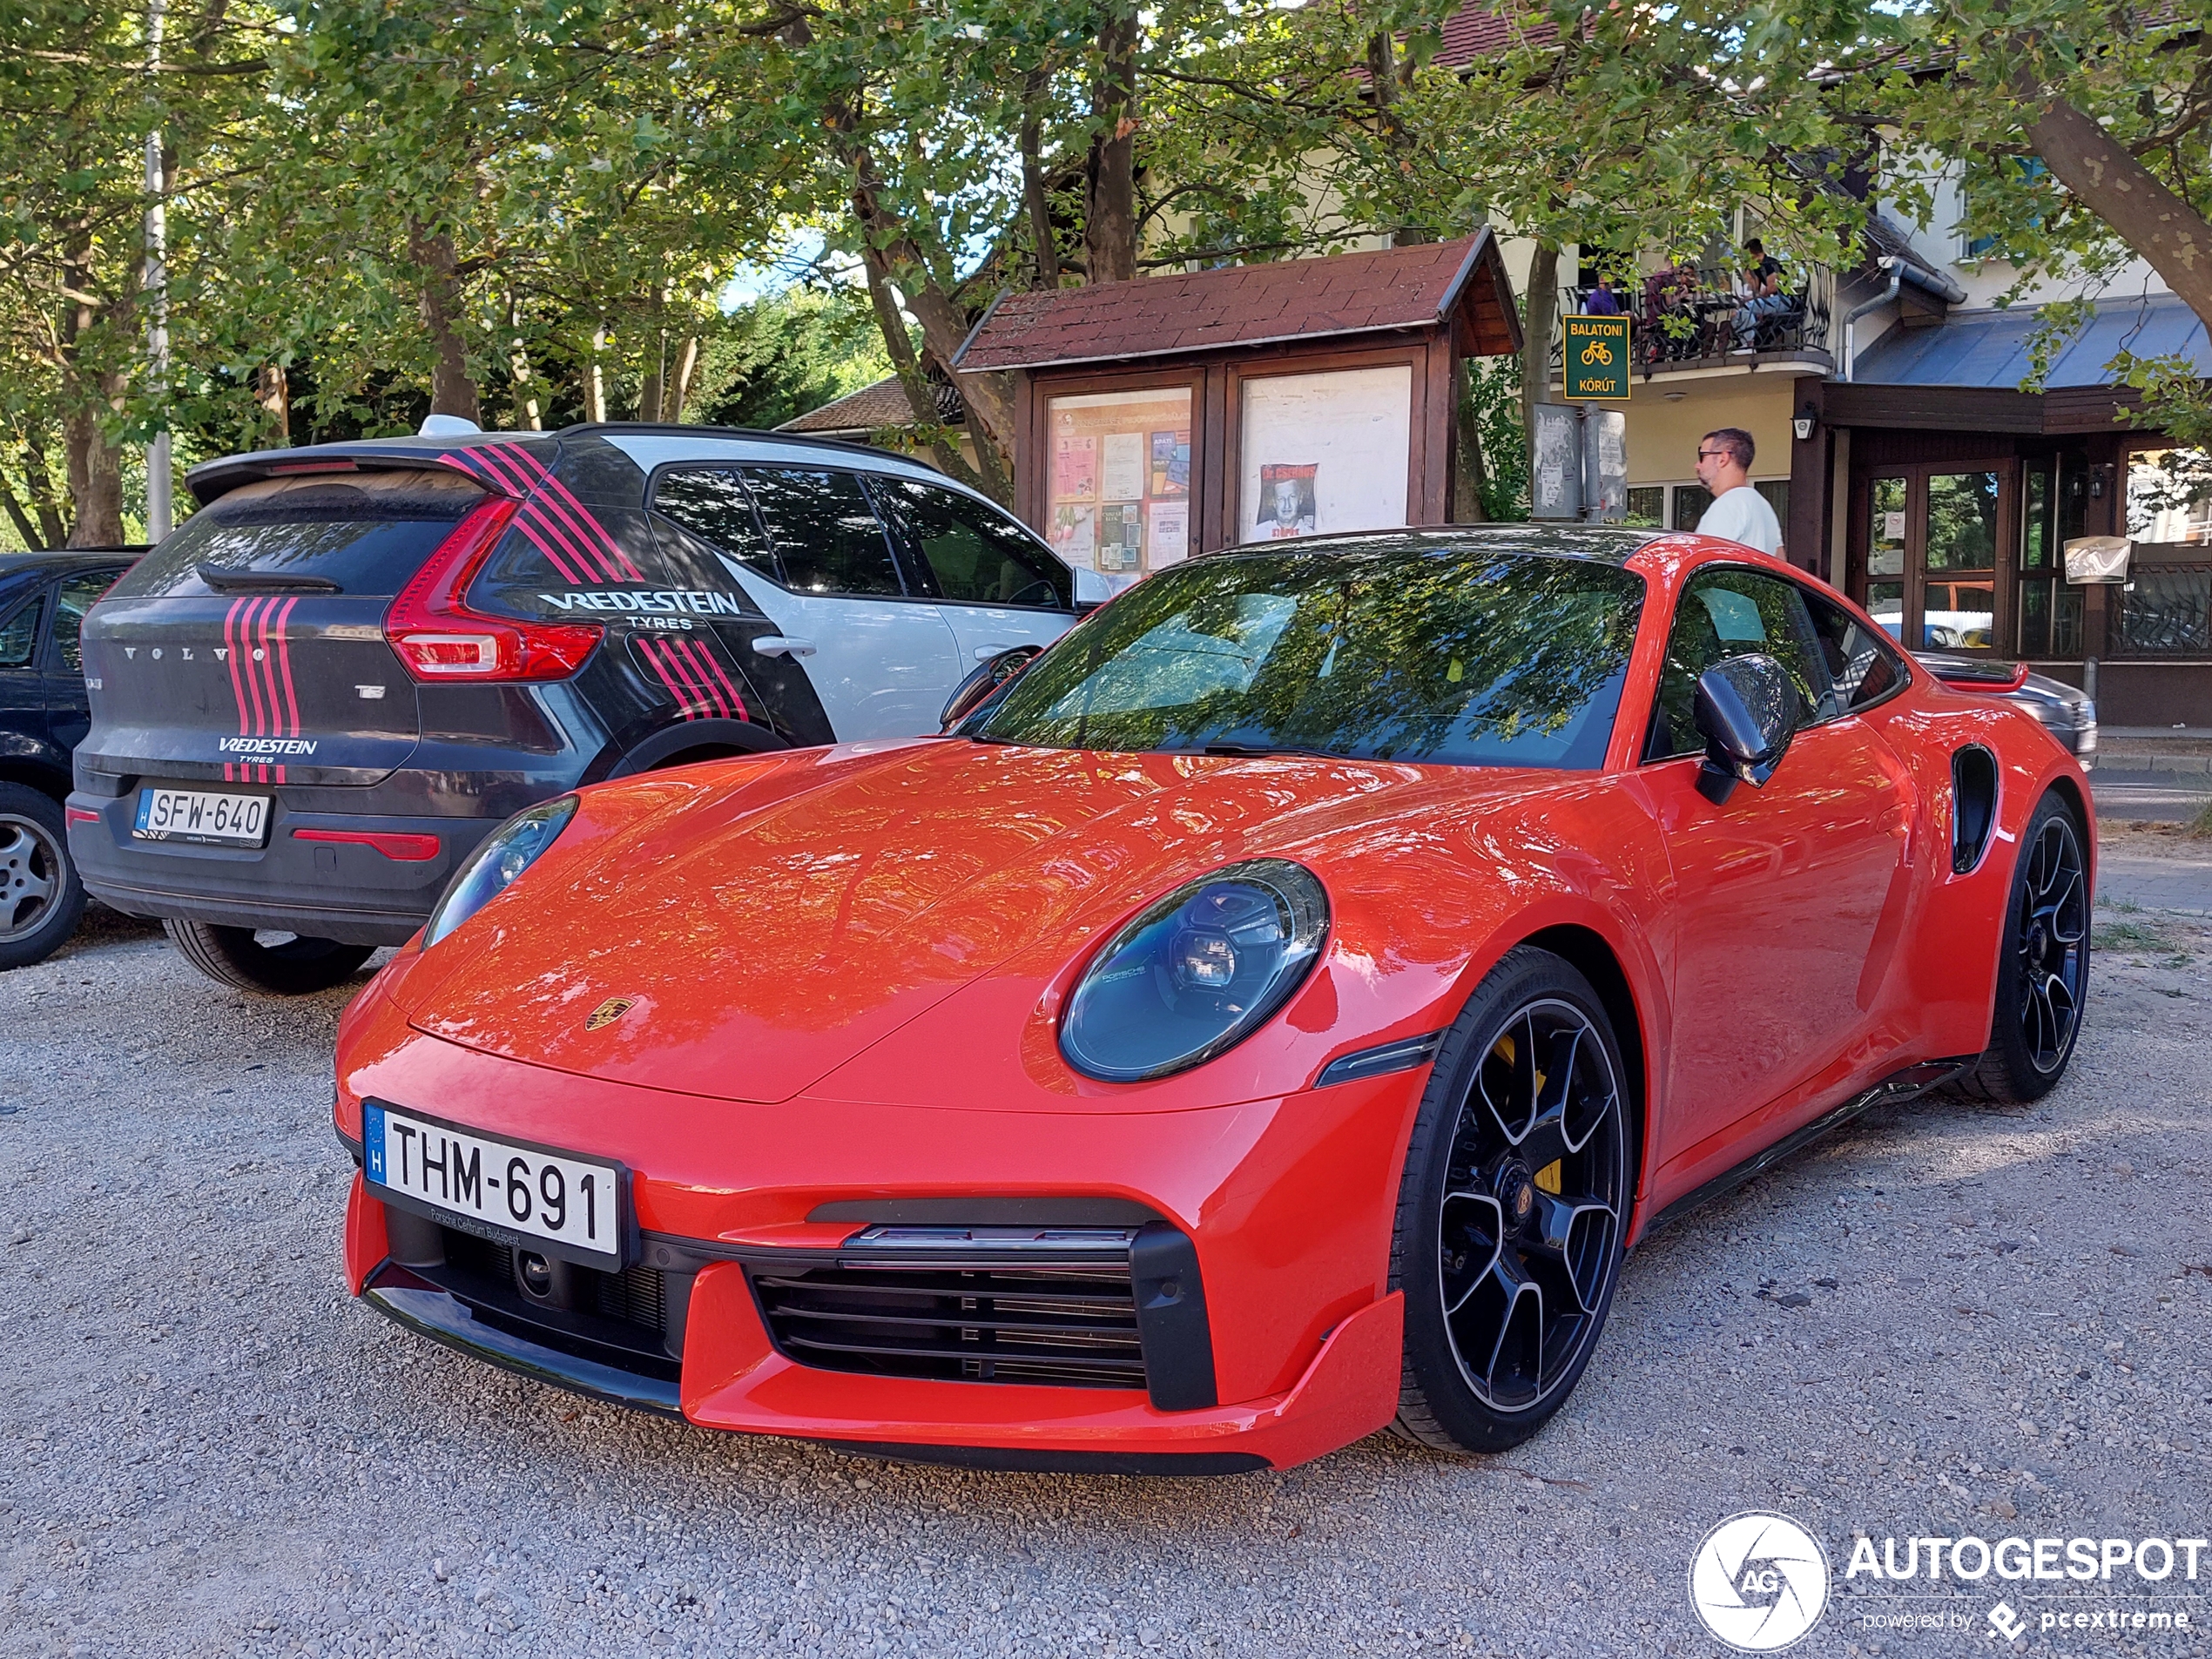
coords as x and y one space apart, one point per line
439 638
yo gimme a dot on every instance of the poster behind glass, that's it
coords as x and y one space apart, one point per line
1325 453
1118 482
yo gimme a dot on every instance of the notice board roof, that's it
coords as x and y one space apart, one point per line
1418 288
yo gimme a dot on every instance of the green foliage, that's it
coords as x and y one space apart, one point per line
784 354
1491 402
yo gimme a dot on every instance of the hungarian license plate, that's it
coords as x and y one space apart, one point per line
202 815
514 1192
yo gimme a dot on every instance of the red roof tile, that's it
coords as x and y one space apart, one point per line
1406 287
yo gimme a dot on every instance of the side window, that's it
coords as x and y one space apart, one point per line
19 634
712 503
1860 660
975 553
1727 613
77 595
825 530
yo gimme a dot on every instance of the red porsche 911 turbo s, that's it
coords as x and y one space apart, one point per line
1272 1015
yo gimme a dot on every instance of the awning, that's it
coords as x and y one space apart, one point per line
1989 349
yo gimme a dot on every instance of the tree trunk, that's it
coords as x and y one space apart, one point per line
687 362
1540 307
595 382
452 391
31 540
944 326
1033 196
1467 469
908 367
46 501
2106 178
273 391
1109 223
1383 85
95 472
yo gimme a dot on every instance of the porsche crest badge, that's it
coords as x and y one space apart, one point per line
608 1011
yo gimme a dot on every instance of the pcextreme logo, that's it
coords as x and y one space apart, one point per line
1759 1582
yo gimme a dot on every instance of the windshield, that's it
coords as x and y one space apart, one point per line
1459 657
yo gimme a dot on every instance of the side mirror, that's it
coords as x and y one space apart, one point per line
1092 591
986 682
1747 712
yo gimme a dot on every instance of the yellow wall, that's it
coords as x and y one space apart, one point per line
1662 435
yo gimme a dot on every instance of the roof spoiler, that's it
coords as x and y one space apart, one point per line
213 479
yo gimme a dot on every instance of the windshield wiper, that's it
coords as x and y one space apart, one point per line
227 581
1251 751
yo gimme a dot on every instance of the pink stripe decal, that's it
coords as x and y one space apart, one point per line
712 670
252 678
474 469
683 698
698 700
522 524
577 544
628 571
557 521
686 651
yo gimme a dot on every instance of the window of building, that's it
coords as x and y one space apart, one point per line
2021 170
1647 508
1691 503
2050 610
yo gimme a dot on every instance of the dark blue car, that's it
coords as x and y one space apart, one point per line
43 712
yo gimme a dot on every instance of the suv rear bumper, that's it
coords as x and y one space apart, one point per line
344 889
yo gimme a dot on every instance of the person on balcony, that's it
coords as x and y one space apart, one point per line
1738 512
1601 301
1670 310
1763 297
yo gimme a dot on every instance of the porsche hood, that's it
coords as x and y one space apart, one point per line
741 931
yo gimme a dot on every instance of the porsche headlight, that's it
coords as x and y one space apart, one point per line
493 868
1196 972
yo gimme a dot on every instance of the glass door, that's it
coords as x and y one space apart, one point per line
1933 540
1959 561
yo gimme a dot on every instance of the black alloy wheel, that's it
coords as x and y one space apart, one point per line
1512 1208
40 896
283 964
2042 964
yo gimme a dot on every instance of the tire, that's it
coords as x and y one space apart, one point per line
2042 965
233 956
1471 1187
41 897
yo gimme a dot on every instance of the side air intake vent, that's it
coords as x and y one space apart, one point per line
1973 805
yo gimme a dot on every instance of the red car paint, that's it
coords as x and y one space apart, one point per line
845 966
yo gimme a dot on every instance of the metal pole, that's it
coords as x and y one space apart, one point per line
160 506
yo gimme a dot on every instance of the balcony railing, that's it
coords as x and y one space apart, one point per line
1677 329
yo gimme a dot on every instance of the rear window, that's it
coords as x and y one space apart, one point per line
361 533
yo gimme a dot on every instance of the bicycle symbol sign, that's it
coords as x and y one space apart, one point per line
1595 362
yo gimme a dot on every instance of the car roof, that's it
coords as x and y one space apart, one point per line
647 445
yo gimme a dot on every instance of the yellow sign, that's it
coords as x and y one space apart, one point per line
1597 358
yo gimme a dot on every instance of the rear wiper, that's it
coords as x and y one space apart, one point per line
226 581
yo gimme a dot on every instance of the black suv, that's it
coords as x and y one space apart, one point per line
315 698
44 597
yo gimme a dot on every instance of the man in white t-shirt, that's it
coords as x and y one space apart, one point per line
1738 512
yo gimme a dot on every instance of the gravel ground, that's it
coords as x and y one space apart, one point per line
1948 1320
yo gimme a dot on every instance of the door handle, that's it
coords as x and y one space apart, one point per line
984 653
783 645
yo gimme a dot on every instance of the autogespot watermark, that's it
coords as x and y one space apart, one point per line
1760 1583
